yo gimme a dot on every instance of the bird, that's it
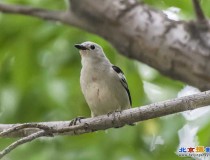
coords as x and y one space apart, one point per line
103 84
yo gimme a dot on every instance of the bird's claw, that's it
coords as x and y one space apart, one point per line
75 121
119 111
113 113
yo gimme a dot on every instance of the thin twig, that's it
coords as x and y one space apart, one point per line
64 16
47 131
44 127
23 126
27 10
22 141
198 11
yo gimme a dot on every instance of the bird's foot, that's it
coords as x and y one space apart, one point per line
119 111
75 121
113 113
114 117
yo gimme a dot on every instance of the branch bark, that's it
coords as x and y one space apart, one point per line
198 11
21 141
25 10
178 49
114 120
61 16
31 131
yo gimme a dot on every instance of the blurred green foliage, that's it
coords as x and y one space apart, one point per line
39 81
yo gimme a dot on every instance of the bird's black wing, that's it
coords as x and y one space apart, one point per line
123 81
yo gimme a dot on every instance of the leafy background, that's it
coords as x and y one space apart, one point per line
39 81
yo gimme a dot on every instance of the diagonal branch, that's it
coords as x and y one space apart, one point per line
66 17
30 11
180 50
31 131
114 120
198 11
16 128
21 141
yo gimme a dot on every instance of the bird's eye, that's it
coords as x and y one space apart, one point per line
92 47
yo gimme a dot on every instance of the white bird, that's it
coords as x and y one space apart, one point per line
104 85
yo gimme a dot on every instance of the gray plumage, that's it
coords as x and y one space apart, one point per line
104 85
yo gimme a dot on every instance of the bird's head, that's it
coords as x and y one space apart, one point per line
90 50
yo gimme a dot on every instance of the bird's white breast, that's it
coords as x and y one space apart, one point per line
102 90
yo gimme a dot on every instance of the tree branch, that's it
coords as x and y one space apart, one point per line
114 120
62 16
21 141
31 131
198 11
180 50
26 10
22 126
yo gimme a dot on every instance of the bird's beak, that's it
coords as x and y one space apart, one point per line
80 47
